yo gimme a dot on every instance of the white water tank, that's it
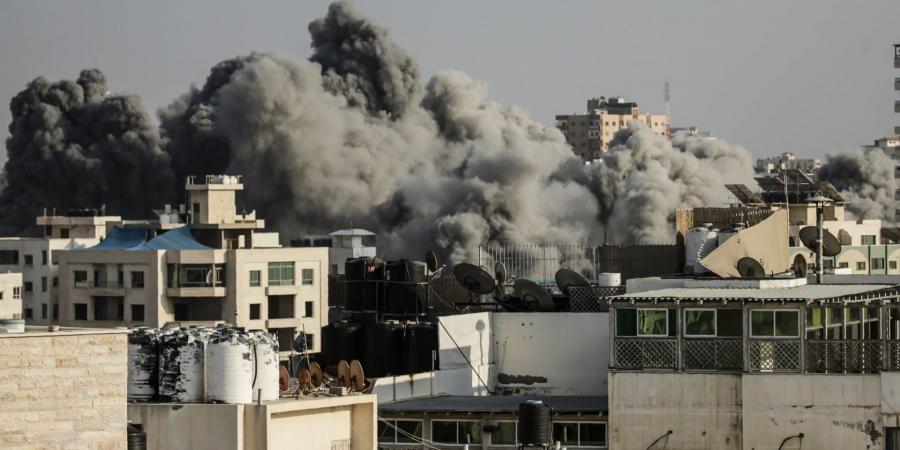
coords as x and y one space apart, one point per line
609 279
143 344
181 366
12 325
265 365
729 232
229 367
698 243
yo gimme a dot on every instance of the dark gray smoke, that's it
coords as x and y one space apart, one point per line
865 179
73 145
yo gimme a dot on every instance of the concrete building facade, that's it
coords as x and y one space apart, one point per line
33 257
205 266
590 134
64 389
785 161
11 296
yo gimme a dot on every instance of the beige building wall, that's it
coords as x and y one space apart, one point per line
590 134
63 390
323 423
11 296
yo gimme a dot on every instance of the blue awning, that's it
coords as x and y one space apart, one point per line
177 239
121 239
135 239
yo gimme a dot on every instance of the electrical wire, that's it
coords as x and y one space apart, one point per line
466 358
416 439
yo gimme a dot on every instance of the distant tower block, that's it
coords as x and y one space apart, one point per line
897 83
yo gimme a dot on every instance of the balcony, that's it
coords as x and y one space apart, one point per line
196 291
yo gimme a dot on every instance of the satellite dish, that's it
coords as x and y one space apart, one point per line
799 266
431 261
284 378
532 293
500 272
473 278
566 279
750 268
315 374
357 376
343 373
304 378
830 244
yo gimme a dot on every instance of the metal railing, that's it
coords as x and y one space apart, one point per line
843 356
774 355
712 354
646 353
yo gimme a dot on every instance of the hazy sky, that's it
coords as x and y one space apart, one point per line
804 76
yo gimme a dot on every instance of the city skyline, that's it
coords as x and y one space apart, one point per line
821 57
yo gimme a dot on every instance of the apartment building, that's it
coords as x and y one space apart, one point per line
342 245
202 264
10 296
786 161
589 134
33 257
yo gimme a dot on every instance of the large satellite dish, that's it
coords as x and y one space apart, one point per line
830 244
750 268
343 373
475 279
357 376
566 279
316 377
533 294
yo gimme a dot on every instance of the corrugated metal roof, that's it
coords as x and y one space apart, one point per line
798 293
560 404
352 232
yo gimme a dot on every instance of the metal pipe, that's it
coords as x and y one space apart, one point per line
820 215
799 436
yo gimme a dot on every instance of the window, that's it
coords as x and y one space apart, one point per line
137 279
868 239
877 263
9 257
196 275
55 311
17 292
860 265
580 434
44 257
80 311
109 308
505 434
137 313
29 313
255 278
700 322
29 260
400 431
55 281
456 432
892 264
828 263
308 309
80 277
844 265
281 306
28 286
281 273
652 322
43 310
774 323
307 276
254 311
64 233
43 284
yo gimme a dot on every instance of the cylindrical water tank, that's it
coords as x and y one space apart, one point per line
729 232
182 359
534 423
12 325
609 279
229 367
384 349
143 358
404 294
698 243
421 339
265 366
137 438
341 340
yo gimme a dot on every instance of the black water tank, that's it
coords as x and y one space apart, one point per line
341 340
534 423
384 349
420 339
404 295
362 283
137 438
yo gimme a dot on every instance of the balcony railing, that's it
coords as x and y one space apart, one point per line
646 353
774 355
713 354
843 356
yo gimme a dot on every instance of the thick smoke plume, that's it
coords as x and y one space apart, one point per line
72 144
865 179
354 135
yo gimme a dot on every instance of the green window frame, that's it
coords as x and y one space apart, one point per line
307 276
868 239
877 263
255 278
774 323
281 273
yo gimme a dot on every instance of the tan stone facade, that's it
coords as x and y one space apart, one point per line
63 390
590 134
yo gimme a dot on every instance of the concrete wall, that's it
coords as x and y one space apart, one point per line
703 411
63 390
535 353
10 303
459 381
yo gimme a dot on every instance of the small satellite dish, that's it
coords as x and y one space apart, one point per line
343 373
357 376
304 378
284 378
473 278
750 268
830 244
431 261
315 374
799 266
566 279
500 272
533 294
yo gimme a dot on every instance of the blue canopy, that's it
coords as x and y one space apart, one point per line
136 239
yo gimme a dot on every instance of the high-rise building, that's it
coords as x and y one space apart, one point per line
787 161
897 84
590 134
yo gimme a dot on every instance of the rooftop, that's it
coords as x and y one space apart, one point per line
560 404
803 293
352 232
35 331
